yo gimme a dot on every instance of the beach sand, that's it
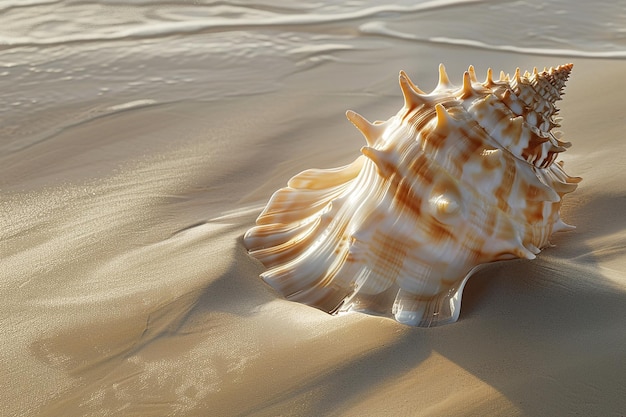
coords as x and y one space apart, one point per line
127 290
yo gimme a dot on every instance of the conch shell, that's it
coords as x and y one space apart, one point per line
460 177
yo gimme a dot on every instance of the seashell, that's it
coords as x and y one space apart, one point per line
458 178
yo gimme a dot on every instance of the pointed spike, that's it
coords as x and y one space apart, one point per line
489 80
573 180
561 226
556 136
411 97
517 76
414 86
562 176
467 90
502 76
523 253
443 121
472 74
383 164
564 144
370 131
538 141
534 249
557 149
444 81
370 152
553 122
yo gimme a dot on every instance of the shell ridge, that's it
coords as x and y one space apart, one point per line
305 271
262 239
309 266
289 204
316 179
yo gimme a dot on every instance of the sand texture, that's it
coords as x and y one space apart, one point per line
125 190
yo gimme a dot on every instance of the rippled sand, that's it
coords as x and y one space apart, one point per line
139 141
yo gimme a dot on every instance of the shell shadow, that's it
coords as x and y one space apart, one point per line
594 218
547 334
346 385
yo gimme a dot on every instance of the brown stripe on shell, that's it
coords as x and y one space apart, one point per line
406 198
503 192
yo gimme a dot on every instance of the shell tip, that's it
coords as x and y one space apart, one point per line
534 249
444 81
370 131
467 90
489 80
443 118
561 226
413 96
525 253
472 74
413 86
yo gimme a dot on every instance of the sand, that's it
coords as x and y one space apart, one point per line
126 289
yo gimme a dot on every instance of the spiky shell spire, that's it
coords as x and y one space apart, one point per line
460 177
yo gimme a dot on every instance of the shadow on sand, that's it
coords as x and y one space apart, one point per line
545 334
